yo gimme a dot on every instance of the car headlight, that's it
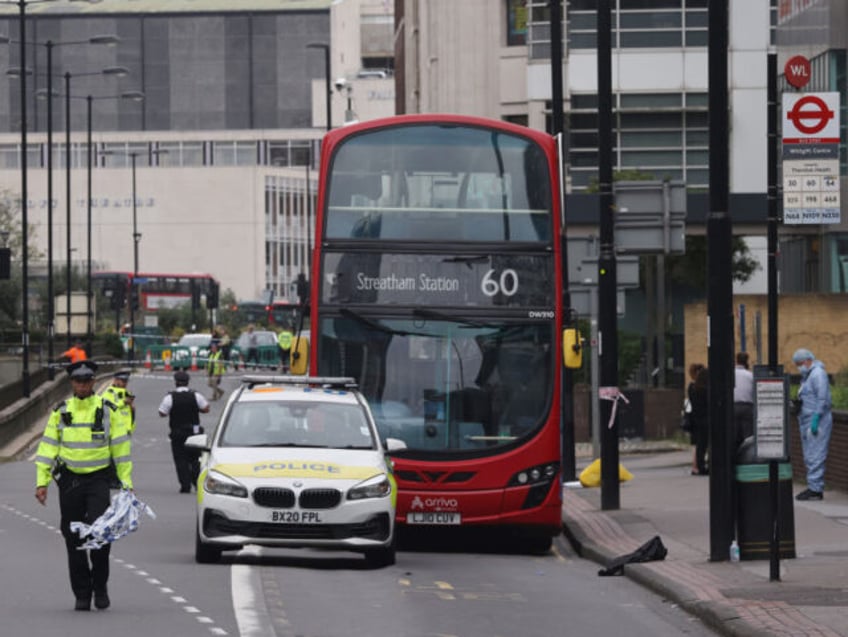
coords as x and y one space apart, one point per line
220 484
376 487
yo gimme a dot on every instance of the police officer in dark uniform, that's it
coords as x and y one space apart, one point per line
84 435
183 407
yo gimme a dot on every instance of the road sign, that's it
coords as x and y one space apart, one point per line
811 190
797 71
811 117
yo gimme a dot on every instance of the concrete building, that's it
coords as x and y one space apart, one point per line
223 138
239 91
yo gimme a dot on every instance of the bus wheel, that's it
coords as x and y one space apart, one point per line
538 544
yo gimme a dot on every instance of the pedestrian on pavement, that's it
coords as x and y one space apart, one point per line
183 407
815 421
284 340
75 353
699 398
252 347
743 399
83 436
215 371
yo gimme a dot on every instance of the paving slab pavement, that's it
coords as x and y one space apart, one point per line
811 597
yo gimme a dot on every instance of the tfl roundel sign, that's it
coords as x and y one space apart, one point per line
811 117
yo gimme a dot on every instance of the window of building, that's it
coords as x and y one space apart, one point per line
516 22
635 23
664 135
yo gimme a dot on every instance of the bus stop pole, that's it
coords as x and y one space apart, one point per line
774 494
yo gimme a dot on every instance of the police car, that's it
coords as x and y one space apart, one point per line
296 462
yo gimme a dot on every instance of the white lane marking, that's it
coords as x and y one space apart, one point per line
215 630
251 613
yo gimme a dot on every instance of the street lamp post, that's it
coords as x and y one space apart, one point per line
25 380
134 95
328 92
25 376
136 240
116 71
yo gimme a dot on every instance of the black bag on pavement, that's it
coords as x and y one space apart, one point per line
650 551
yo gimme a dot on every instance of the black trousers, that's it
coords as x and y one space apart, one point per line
186 461
84 498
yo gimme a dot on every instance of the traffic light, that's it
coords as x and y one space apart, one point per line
212 296
5 263
116 298
134 300
302 289
195 297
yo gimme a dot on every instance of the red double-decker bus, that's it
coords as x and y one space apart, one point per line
436 285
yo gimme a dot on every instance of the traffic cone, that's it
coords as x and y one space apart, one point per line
148 363
194 361
167 360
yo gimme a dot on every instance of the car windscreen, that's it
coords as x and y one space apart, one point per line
198 340
296 424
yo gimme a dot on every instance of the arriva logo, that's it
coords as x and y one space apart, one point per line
434 504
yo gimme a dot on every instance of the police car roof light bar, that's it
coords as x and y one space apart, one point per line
336 382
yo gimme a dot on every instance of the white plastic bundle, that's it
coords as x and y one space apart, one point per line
120 519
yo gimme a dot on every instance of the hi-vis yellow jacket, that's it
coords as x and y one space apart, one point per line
118 397
74 437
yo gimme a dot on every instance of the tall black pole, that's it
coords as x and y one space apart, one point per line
771 159
88 332
68 202
607 278
720 341
51 325
772 210
134 287
569 462
25 380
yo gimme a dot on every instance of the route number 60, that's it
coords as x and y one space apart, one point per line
506 284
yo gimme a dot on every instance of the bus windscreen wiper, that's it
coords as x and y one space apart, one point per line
374 325
443 316
467 260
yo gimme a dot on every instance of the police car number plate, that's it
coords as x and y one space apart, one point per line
433 517
296 517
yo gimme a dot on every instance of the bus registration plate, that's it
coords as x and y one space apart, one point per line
433 517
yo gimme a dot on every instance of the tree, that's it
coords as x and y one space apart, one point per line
691 268
11 229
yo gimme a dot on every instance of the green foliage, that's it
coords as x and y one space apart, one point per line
628 174
691 268
175 321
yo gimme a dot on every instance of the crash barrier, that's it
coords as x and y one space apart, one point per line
753 515
175 357
267 355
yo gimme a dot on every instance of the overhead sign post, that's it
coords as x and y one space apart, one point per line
811 158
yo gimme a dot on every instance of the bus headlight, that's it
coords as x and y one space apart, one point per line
539 474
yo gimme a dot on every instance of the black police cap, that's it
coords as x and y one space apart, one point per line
123 374
181 377
82 369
